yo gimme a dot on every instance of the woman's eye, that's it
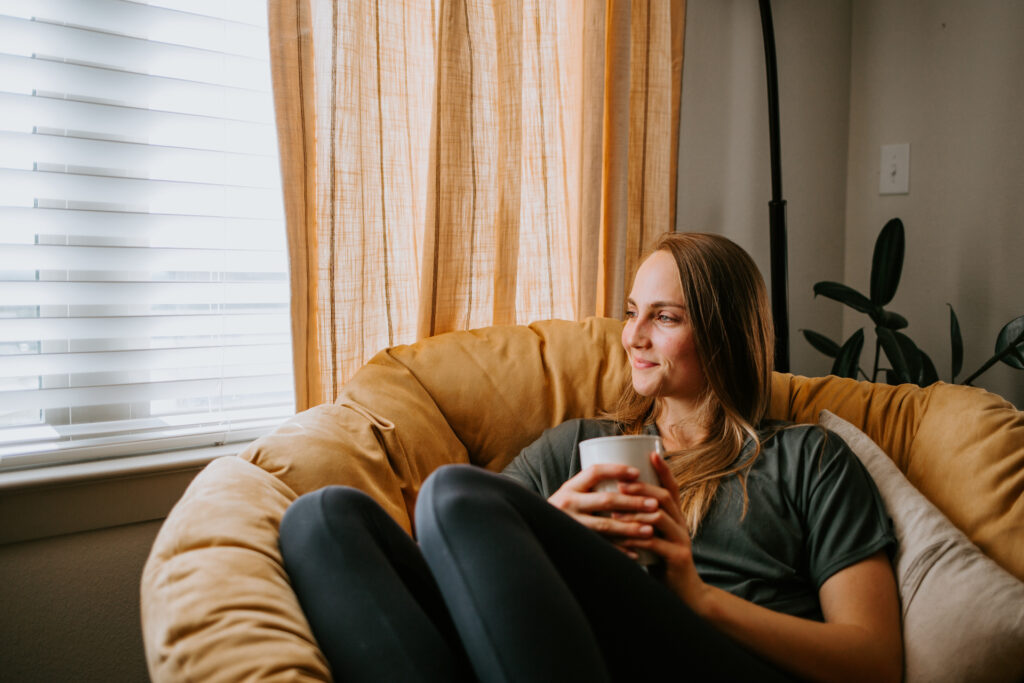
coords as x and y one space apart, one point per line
630 314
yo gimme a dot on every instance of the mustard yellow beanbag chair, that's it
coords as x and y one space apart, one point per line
216 602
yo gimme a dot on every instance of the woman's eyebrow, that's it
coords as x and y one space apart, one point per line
659 304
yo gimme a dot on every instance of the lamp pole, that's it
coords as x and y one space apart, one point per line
777 205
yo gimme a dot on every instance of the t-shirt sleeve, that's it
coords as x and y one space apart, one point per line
846 518
545 464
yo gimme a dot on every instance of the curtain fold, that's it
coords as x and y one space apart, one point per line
452 164
290 38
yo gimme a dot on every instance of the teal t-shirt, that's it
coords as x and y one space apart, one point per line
813 510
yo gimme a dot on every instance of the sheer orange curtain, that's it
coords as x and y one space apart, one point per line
452 164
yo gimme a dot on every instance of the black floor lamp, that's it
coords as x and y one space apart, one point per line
777 205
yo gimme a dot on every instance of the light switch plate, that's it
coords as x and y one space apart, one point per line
894 171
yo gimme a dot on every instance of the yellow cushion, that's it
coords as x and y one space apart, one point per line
216 604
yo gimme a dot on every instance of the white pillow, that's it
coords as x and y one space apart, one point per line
963 615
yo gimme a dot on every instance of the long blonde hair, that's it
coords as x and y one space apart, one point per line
728 307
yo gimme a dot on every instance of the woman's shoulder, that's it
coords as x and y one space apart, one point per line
798 436
792 446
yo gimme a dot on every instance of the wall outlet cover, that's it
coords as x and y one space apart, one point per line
894 171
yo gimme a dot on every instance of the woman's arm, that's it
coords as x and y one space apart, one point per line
859 640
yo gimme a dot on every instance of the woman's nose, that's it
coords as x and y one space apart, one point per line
635 332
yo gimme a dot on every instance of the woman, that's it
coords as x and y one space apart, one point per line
772 540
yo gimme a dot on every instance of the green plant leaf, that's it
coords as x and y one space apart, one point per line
1012 334
912 355
887 262
893 321
894 352
848 359
920 369
822 343
929 375
845 295
956 343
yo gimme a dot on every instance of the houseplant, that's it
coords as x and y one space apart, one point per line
907 362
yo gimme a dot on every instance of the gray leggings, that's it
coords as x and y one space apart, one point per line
501 587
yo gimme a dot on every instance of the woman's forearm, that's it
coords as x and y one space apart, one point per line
814 650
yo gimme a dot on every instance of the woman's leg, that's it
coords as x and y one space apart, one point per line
538 597
369 596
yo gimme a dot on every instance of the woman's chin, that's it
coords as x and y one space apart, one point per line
645 389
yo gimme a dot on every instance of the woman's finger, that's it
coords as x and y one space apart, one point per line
671 529
588 478
666 499
668 528
641 517
614 501
669 482
571 496
613 527
663 472
671 540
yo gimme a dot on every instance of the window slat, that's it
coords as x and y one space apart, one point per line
23 150
135 444
23 224
22 112
133 259
100 188
97 361
133 293
62 80
153 22
27 37
158 330
145 427
113 394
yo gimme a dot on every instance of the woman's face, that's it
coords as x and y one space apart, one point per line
658 337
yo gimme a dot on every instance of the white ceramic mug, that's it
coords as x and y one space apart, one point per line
632 450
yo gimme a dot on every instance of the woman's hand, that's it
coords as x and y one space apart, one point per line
609 513
672 542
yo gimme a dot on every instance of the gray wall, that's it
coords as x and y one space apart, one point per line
73 541
724 181
71 606
944 76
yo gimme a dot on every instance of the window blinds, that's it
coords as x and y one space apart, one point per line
143 276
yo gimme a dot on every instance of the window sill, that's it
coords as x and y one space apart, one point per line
64 499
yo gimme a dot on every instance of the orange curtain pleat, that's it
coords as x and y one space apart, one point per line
452 164
291 52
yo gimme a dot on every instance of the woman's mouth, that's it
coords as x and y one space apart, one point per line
641 364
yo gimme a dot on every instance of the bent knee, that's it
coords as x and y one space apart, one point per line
324 512
455 476
457 490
